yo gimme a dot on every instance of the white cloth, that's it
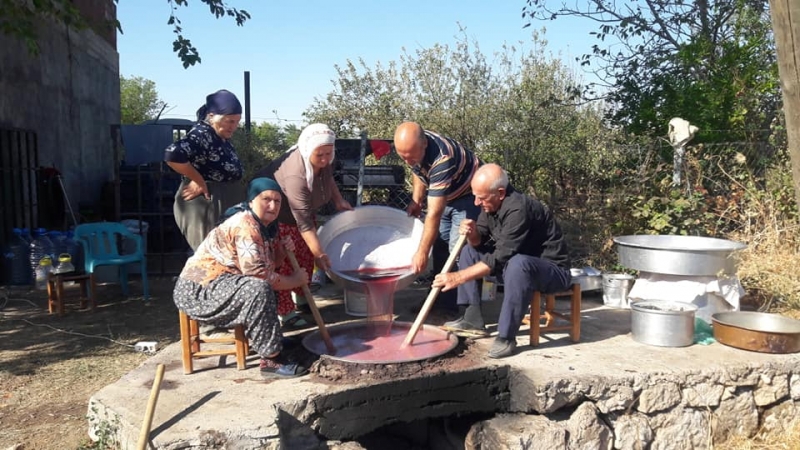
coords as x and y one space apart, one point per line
709 294
313 136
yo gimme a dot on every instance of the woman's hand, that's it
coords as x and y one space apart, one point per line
194 190
287 243
343 205
323 262
298 278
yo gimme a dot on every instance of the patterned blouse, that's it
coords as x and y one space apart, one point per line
236 247
213 157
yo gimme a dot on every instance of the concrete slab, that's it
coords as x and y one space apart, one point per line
242 410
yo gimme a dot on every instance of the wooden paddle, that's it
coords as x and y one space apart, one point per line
144 433
426 307
313 306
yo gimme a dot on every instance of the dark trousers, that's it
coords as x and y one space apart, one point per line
455 211
522 275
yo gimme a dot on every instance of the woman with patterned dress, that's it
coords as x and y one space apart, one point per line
210 168
231 278
305 174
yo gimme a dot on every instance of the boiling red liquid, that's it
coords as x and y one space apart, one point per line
357 344
380 340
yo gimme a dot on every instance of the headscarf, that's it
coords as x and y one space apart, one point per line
221 102
313 136
254 189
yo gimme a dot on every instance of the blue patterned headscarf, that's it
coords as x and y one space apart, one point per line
256 187
222 102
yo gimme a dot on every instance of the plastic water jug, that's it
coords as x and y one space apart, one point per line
64 264
75 250
17 257
43 272
41 246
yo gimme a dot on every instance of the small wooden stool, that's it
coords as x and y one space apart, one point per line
55 291
191 340
572 319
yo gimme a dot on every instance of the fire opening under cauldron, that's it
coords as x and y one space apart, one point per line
370 249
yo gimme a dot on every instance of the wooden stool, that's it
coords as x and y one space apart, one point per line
191 340
55 291
572 319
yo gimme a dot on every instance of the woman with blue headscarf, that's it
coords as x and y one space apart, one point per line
209 165
231 279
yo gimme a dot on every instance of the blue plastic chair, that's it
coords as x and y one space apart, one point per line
101 242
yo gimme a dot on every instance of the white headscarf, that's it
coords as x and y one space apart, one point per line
313 136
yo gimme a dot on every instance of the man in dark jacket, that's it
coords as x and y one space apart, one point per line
517 239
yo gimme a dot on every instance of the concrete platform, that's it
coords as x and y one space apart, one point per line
221 407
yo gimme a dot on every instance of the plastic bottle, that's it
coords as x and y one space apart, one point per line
43 272
17 257
41 247
26 234
64 264
59 241
75 250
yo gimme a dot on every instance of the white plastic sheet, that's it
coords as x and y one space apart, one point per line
709 294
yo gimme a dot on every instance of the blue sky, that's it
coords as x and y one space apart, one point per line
291 48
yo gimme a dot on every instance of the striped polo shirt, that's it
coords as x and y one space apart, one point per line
447 167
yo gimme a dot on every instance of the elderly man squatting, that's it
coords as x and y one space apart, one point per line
517 239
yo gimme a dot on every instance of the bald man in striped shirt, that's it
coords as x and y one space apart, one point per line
442 169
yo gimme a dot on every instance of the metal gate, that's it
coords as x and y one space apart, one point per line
19 161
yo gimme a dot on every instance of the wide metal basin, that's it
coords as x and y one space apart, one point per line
757 331
369 238
679 255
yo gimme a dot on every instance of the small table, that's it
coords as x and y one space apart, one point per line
55 291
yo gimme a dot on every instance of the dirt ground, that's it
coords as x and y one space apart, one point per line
50 366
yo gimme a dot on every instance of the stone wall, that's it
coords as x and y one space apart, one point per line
673 411
69 95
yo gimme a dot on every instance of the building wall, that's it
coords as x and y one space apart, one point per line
68 94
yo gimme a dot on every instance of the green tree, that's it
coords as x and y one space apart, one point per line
20 19
138 100
265 142
515 110
710 61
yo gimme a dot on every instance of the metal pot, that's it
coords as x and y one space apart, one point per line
663 323
679 255
370 237
757 331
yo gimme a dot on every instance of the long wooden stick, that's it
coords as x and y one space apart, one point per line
313 306
144 434
426 307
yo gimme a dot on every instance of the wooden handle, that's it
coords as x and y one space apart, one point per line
426 307
313 306
144 434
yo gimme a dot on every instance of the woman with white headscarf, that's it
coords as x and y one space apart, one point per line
305 174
